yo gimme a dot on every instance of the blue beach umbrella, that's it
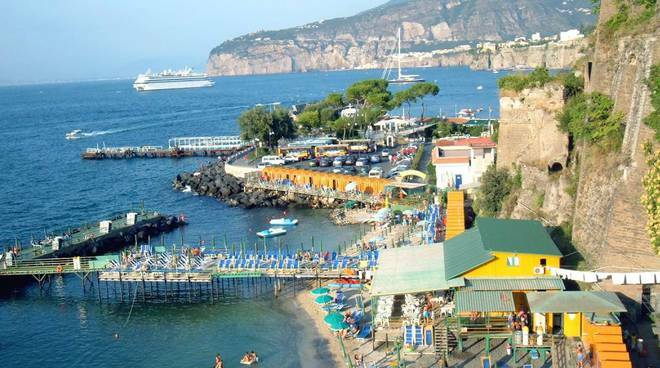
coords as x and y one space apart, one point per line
333 318
323 299
320 291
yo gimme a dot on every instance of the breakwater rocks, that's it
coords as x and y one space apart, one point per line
212 180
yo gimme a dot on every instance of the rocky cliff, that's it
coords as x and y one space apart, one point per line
366 40
609 219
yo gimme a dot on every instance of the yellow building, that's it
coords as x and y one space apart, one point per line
320 179
501 248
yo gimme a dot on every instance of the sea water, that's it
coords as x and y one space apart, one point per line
45 185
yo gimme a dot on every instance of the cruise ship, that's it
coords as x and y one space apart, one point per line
169 79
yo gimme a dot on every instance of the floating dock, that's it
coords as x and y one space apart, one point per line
220 146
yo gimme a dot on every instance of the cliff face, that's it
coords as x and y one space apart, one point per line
367 39
529 141
609 219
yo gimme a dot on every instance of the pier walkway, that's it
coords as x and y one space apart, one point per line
222 146
254 182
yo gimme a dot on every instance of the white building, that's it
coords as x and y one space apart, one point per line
460 163
348 112
536 37
570 35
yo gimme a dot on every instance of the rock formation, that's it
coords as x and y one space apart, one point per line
366 40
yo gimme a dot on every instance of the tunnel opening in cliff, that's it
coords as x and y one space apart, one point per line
555 167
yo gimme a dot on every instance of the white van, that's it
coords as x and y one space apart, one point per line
376 172
273 160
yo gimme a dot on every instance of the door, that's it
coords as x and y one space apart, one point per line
557 322
458 181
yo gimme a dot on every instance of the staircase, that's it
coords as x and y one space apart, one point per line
443 338
558 353
455 214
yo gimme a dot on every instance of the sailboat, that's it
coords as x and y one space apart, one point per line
401 78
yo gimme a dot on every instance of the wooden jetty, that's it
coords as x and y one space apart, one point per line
220 146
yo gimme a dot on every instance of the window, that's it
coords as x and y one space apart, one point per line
544 262
513 261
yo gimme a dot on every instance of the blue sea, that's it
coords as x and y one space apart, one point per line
46 186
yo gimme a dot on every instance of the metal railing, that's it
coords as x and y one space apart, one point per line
51 266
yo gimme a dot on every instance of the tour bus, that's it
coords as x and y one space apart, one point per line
273 160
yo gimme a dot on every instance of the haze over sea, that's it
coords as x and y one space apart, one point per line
46 185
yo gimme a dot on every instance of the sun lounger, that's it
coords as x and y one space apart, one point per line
419 335
408 335
365 333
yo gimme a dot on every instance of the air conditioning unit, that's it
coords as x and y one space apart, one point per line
539 270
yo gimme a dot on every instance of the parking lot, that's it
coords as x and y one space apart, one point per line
389 160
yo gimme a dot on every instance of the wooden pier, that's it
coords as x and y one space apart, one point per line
221 146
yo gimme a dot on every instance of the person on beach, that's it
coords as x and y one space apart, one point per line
358 360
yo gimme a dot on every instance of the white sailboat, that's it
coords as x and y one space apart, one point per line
401 78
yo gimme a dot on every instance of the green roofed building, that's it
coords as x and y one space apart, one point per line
501 248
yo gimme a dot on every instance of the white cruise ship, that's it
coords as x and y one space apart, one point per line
169 79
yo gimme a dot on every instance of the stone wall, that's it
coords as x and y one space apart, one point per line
609 219
528 132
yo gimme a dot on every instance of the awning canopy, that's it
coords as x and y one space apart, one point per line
574 302
514 284
410 270
485 301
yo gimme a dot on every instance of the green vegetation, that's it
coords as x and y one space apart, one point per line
653 82
418 157
430 173
517 82
416 93
651 183
562 236
372 100
266 126
624 20
591 117
446 129
495 186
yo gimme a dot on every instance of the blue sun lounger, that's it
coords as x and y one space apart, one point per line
419 335
408 335
364 333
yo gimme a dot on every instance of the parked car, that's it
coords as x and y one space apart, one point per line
350 160
375 159
362 161
376 172
313 163
349 170
337 170
273 160
363 170
325 162
262 166
291 158
338 162
385 152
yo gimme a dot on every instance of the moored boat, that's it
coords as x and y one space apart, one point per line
272 232
74 134
284 221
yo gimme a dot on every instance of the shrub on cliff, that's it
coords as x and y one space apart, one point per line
495 186
517 82
591 117
653 82
651 183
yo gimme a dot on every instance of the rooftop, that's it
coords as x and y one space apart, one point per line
474 247
574 302
473 142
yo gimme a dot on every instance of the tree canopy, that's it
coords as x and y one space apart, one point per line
266 126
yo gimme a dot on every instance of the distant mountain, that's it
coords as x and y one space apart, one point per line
360 40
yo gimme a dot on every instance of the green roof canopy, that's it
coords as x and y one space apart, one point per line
464 252
574 302
514 284
516 236
485 301
410 270
473 247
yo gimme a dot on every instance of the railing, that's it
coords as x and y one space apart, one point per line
252 181
52 266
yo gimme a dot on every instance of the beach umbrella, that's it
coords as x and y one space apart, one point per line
323 299
334 318
320 291
338 326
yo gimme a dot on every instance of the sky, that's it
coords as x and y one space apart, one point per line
71 40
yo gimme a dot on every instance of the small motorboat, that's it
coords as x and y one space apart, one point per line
272 232
284 221
480 87
74 134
